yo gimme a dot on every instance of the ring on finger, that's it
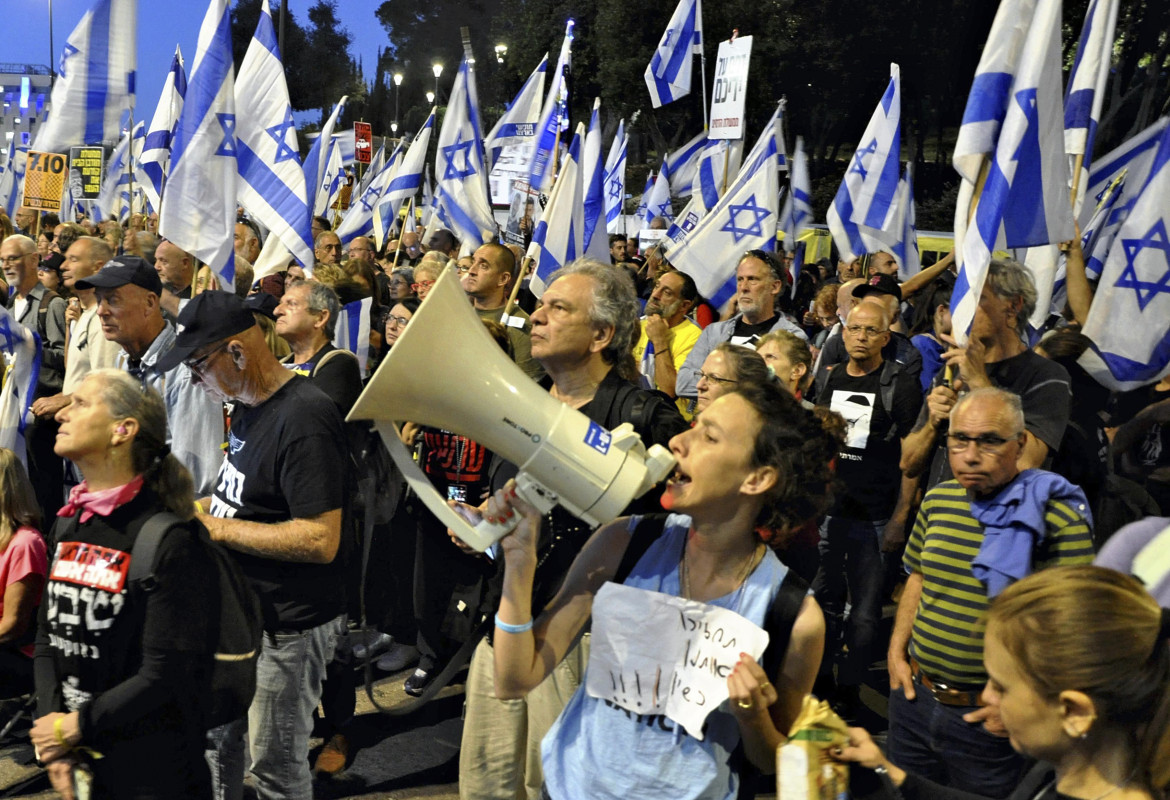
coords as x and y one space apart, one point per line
742 704
765 685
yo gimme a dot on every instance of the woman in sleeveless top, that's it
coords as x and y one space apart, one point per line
755 458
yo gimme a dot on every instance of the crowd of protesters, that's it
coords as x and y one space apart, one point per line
836 443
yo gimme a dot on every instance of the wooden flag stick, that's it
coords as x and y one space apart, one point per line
1076 179
525 265
401 233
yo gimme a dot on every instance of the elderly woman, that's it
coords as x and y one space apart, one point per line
122 672
754 457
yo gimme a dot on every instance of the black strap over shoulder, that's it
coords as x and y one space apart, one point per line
144 553
781 616
645 533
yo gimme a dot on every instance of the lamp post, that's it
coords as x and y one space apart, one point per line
430 98
437 68
501 52
397 83
52 49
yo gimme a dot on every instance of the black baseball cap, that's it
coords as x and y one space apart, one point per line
879 284
209 317
123 271
262 303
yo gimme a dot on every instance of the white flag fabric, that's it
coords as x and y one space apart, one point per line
409 172
682 165
198 209
114 199
796 214
558 237
518 124
658 203
554 117
384 223
23 348
332 182
1087 85
1133 160
11 181
593 169
640 216
1129 321
859 217
317 161
272 180
615 179
156 148
464 206
709 183
375 166
668 76
905 247
353 331
359 220
1013 123
744 219
95 79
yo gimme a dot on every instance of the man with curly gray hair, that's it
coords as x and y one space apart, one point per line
583 332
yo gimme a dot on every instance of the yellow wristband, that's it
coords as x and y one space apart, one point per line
60 734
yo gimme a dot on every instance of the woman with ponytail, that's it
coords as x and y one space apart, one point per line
1078 660
122 666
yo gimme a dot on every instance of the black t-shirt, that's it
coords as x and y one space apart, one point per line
340 376
456 465
1045 393
747 334
286 460
94 631
867 464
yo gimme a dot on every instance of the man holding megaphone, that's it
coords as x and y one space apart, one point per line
583 334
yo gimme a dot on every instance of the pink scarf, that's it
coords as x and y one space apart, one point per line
101 502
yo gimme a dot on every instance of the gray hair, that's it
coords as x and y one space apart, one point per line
322 298
404 272
1009 280
613 304
27 245
1010 400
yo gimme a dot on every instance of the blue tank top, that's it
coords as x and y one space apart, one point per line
603 752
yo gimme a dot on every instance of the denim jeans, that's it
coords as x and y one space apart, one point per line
289 674
851 559
933 741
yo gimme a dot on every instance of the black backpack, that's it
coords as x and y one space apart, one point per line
239 630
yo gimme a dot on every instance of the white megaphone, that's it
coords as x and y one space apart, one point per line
446 371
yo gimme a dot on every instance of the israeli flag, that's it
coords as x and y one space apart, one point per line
359 220
332 182
95 79
596 242
462 193
720 162
559 236
1013 131
198 211
518 124
1091 236
682 166
1129 321
554 117
658 203
1133 161
796 214
1087 87
384 224
272 180
375 166
156 148
640 216
22 349
905 247
615 179
317 161
408 174
859 217
774 130
113 200
744 219
668 76
353 331
13 177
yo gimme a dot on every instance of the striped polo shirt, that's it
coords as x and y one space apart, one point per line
947 637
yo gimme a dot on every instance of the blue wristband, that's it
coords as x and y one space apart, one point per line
506 628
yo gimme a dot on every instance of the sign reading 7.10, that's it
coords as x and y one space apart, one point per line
44 180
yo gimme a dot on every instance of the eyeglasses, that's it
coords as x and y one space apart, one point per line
857 330
422 285
985 443
399 322
199 364
716 378
10 260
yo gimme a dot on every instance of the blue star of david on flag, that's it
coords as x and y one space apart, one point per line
66 54
279 133
9 338
665 210
754 228
452 154
370 198
1155 239
859 159
615 189
228 146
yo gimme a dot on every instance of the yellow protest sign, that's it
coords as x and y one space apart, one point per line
44 180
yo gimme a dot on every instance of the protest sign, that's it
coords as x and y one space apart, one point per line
363 142
44 180
85 172
730 91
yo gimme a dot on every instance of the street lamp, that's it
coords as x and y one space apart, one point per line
394 127
52 50
501 51
430 98
437 68
397 83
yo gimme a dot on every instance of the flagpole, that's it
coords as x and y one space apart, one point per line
130 164
402 232
525 265
1076 179
703 69
984 171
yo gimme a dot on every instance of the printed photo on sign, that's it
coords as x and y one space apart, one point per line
857 409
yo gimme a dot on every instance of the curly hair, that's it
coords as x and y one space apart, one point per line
793 440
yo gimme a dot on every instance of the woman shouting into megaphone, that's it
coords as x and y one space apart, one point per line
755 459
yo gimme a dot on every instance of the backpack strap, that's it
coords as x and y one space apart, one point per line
327 357
43 312
645 533
781 617
144 552
889 380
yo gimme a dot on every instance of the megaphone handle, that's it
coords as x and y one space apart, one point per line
531 492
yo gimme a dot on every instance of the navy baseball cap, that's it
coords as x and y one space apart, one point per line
209 317
123 271
879 284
